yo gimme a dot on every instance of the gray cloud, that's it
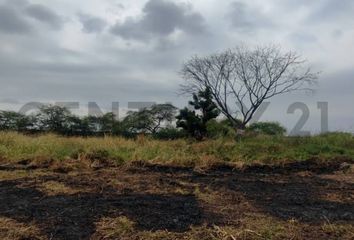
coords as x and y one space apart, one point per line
45 15
62 81
247 18
332 10
11 22
47 65
17 3
92 24
160 18
303 38
320 11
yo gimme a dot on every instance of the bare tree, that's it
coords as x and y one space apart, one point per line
241 79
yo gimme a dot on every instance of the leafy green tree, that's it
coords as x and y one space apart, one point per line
161 114
14 121
85 126
75 126
149 120
54 119
194 123
107 123
138 122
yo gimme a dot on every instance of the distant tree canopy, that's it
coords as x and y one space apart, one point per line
13 121
150 120
157 121
57 119
53 118
240 80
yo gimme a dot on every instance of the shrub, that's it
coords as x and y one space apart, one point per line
267 128
170 134
216 129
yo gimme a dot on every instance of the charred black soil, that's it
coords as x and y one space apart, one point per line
301 200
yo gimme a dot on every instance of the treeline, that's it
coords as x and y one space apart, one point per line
162 121
59 120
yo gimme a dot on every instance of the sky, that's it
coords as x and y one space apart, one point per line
108 51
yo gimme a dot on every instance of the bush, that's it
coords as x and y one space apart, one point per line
267 128
216 129
170 134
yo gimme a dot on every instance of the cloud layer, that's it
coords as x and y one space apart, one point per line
104 50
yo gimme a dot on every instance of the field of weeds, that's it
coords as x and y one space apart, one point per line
262 149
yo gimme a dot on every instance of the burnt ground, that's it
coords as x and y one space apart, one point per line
304 200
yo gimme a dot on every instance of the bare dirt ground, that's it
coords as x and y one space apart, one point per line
305 200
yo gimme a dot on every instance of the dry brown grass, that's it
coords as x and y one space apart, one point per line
52 188
13 230
114 228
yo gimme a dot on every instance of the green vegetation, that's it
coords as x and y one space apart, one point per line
149 120
59 120
220 129
196 124
156 122
260 148
268 128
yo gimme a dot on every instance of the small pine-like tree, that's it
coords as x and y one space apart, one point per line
196 124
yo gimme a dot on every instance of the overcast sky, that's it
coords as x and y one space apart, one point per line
115 50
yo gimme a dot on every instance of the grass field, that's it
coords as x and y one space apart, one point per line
262 187
262 149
